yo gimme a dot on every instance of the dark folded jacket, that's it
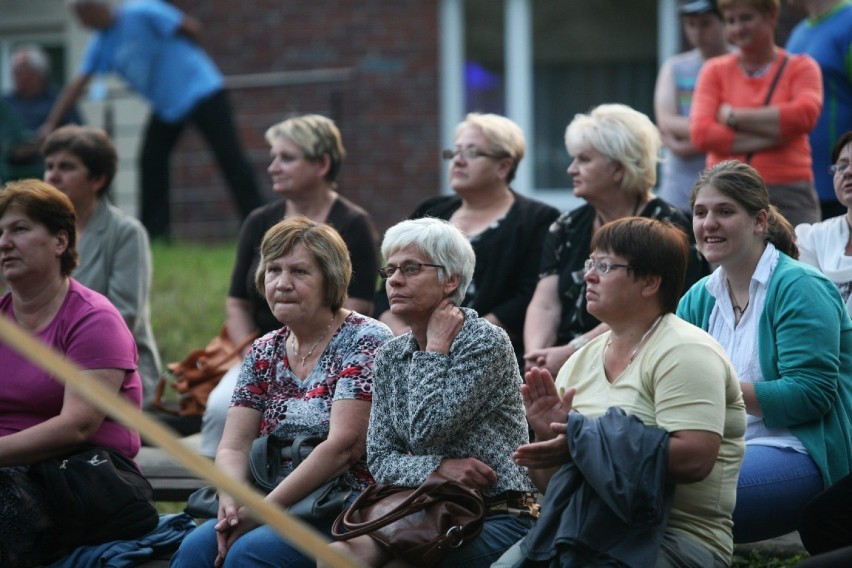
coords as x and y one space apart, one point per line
610 506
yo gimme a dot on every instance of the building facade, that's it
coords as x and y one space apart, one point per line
396 75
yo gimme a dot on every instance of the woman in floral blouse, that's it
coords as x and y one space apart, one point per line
447 393
311 377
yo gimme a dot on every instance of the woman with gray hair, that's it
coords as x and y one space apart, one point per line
447 393
505 228
616 150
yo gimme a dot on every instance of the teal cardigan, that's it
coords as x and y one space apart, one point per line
805 349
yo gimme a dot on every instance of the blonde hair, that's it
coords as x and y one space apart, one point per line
505 138
623 135
315 136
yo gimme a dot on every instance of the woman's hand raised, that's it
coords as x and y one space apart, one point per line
444 325
544 406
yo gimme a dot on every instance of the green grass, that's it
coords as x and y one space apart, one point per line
188 294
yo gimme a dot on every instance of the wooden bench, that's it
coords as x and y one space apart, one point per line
171 481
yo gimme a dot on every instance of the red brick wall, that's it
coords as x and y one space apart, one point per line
387 112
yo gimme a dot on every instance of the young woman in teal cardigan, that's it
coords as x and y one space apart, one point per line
787 331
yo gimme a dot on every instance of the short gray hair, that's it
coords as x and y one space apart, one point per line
623 135
35 57
441 243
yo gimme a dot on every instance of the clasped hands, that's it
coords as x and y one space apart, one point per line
547 414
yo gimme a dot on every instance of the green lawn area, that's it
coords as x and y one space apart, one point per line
188 294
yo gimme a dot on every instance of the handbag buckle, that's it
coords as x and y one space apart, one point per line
453 533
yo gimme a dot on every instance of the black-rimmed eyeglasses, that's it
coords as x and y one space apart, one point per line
602 266
407 268
469 153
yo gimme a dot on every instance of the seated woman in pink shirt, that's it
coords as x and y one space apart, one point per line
39 417
733 115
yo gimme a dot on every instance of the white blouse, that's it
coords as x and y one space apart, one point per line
823 246
740 341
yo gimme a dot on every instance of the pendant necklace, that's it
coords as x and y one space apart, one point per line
738 311
311 350
641 341
600 218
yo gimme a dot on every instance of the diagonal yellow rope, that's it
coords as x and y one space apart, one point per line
300 535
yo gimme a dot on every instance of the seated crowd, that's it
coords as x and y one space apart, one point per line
621 383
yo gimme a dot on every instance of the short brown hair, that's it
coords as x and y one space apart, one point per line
45 204
322 241
650 247
91 145
315 136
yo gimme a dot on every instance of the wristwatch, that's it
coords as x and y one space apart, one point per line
731 120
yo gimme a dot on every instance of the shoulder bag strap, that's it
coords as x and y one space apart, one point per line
769 95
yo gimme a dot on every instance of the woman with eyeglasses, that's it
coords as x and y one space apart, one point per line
828 245
447 394
307 154
615 150
787 332
655 397
505 228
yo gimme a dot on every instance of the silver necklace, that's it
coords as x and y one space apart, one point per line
311 350
641 342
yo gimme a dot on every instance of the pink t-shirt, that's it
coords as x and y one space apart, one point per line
92 334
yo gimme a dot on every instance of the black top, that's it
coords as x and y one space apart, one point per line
567 246
507 259
354 226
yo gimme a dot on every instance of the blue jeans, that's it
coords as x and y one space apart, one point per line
498 535
262 547
773 488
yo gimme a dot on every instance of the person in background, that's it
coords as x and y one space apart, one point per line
39 417
682 162
307 155
732 119
31 99
153 46
313 377
615 152
505 228
12 136
826 35
447 393
825 521
115 256
789 336
828 245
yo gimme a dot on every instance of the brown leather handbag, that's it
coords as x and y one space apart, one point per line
418 525
199 373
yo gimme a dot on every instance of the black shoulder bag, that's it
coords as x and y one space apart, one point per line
96 495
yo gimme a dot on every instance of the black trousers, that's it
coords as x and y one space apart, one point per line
826 522
214 119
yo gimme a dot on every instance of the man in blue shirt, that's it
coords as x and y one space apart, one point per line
151 45
826 35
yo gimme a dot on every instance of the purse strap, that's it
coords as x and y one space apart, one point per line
268 452
769 95
418 499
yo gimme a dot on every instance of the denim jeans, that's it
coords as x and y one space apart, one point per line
498 535
261 547
773 488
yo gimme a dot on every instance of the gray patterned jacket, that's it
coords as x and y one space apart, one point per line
430 406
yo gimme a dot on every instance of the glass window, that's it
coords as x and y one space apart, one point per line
585 53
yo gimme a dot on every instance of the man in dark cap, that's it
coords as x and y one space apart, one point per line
704 30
